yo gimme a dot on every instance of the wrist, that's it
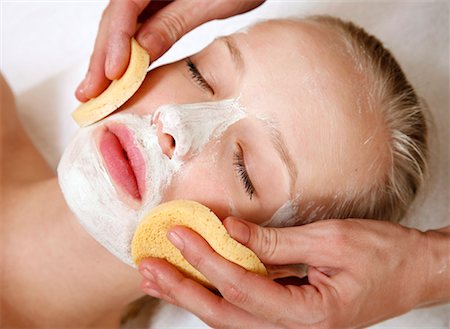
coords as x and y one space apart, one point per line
436 287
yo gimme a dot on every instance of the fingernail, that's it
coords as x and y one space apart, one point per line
148 274
239 231
176 240
153 42
84 85
151 289
153 293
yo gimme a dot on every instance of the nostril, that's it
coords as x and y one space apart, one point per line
166 142
171 143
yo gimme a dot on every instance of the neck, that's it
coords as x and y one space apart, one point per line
55 274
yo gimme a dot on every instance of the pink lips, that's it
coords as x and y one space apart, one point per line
123 160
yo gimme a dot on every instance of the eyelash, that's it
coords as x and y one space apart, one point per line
197 76
241 171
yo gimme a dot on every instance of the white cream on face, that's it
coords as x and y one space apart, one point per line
284 216
179 119
92 195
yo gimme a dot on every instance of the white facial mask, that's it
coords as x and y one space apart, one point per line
284 216
89 190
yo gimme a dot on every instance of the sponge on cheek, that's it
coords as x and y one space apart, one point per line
118 92
150 238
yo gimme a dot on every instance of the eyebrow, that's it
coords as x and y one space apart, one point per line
235 52
279 144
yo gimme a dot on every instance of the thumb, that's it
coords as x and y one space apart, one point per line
168 25
277 246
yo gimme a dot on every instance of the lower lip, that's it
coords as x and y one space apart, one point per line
123 160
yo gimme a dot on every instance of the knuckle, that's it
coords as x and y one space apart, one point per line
173 25
196 260
234 294
268 242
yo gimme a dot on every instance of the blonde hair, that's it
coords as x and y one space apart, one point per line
404 116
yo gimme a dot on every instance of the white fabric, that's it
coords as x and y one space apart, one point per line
45 47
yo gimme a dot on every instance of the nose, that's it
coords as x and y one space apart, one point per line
166 141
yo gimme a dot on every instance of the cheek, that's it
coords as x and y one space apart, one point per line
201 180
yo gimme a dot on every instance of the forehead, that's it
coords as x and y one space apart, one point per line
293 64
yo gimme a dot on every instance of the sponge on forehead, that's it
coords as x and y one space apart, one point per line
118 92
150 238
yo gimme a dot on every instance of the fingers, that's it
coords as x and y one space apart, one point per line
163 281
112 47
95 81
317 244
169 24
251 292
275 246
121 28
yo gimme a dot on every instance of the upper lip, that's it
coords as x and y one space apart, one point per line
127 141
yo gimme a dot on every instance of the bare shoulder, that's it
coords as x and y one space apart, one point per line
10 128
6 90
9 119
5 87
19 160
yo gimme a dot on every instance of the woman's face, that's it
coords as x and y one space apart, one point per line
298 140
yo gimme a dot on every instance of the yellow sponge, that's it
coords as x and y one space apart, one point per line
118 92
150 238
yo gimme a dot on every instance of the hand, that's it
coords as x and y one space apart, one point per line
360 272
163 23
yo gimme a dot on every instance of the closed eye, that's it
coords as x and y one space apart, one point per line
241 171
197 76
